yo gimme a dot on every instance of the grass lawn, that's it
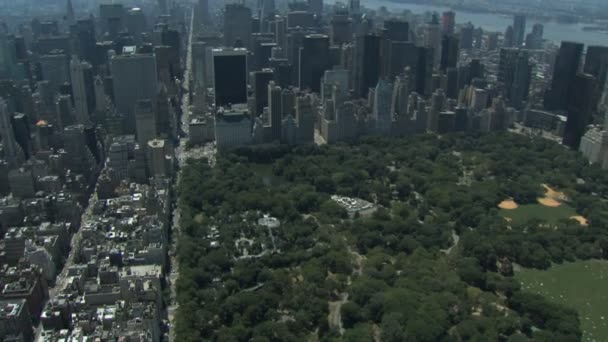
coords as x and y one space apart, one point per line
580 285
529 211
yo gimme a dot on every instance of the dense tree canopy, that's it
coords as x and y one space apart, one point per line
396 274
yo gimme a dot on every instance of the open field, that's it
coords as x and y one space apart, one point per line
579 285
529 211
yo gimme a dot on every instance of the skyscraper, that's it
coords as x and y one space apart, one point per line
111 17
64 112
157 159
12 152
432 38
84 32
492 41
354 6
316 6
162 6
509 39
424 71
230 76
305 119
400 56
596 64
514 75
134 79
82 90
522 77
8 57
437 105
237 25
580 108
261 79
70 18
21 129
55 69
295 39
534 39
199 59
288 102
267 9
366 63
203 12
401 95
382 106
466 36
145 119
314 60
564 74
519 29
78 158
101 102
341 28
448 21
451 84
449 52
275 108
397 30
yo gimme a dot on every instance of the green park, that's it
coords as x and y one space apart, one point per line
434 262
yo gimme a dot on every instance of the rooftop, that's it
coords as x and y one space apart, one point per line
10 308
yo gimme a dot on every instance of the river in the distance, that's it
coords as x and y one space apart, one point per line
554 31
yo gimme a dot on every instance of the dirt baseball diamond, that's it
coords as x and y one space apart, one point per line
581 220
549 202
508 204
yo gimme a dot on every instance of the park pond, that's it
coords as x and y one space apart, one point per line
580 285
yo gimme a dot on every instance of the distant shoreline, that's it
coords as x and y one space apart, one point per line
502 12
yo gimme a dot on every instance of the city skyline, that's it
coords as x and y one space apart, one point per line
273 170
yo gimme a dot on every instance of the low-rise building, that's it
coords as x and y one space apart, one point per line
233 127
